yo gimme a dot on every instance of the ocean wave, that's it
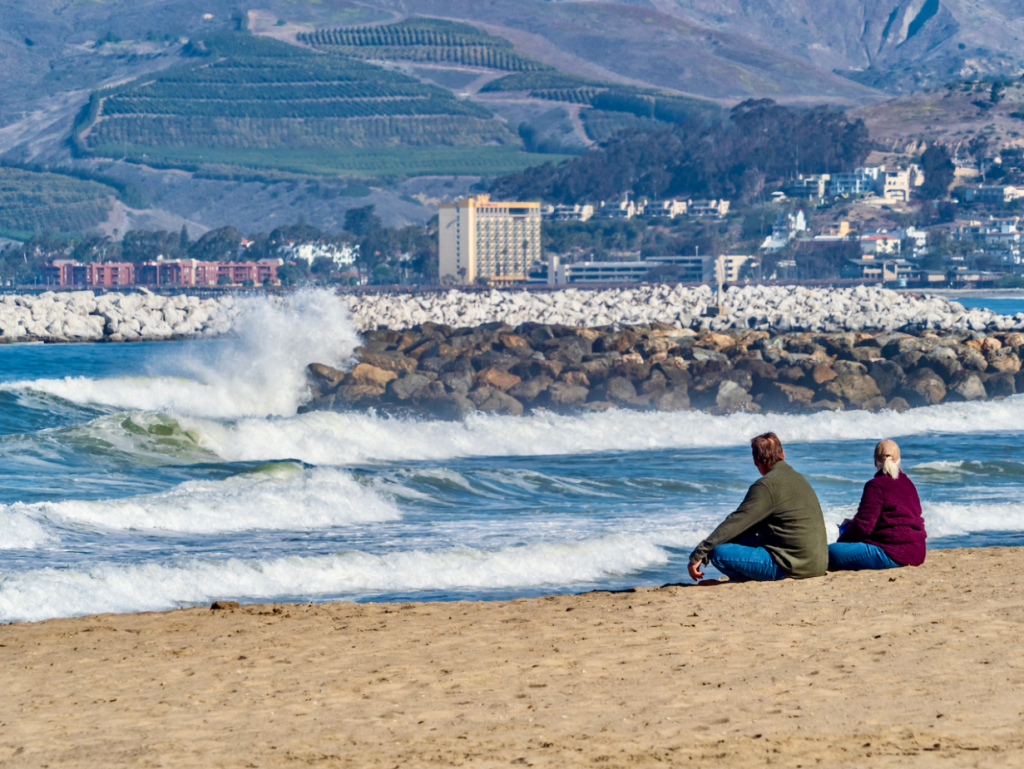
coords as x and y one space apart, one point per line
958 468
282 497
948 519
45 593
259 371
19 531
346 438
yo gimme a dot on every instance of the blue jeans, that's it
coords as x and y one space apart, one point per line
743 562
855 556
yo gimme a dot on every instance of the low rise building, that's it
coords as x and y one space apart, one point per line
993 194
709 209
879 244
575 213
67 273
813 186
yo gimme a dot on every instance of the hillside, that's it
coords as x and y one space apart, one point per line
253 101
952 115
35 202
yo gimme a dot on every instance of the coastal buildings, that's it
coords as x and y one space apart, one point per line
67 273
685 269
889 183
495 241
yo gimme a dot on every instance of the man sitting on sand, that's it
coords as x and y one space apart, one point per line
777 532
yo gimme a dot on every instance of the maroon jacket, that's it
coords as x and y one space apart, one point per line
889 517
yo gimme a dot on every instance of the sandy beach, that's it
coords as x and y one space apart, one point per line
898 668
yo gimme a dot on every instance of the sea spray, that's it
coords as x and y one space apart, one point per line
259 370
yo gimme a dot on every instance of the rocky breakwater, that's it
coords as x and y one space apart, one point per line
764 308
444 372
81 316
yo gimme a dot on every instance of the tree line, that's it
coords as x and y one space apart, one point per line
384 254
760 142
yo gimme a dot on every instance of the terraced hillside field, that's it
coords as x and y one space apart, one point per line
424 40
253 101
32 202
613 107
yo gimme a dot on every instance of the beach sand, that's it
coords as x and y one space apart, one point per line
911 667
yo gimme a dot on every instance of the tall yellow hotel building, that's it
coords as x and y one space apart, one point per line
484 239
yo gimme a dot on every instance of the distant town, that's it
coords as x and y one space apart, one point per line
484 241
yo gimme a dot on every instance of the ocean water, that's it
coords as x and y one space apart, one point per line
1005 303
152 476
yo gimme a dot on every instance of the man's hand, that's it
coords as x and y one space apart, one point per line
695 572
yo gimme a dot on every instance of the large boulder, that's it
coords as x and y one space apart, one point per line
1004 364
674 399
856 390
497 378
562 395
888 376
968 387
924 388
404 388
323 378
367 374
618 389
501 403
731 397
529 390
782 396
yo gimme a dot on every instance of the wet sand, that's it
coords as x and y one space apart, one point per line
911 667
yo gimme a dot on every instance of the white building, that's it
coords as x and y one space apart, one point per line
709 209
879 244
671 208
997 193
480 238
576 213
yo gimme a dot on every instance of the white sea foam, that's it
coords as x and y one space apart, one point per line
45 593
19 531
345 438
284 497
257 372
948 519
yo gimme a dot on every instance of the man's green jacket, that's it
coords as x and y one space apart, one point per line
783 510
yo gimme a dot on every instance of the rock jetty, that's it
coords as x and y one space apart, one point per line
764 308
81 316
498 368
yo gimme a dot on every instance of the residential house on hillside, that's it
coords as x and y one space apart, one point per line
879 244
893 184
996 193
576 213
709 209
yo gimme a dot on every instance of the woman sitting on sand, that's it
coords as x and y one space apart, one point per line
888 530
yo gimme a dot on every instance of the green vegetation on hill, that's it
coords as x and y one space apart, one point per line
760 143
616 107
261 103
425 40
33 201
364 162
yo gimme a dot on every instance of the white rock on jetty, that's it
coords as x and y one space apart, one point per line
767 308
82 316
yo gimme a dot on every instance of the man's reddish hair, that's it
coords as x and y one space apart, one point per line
767 449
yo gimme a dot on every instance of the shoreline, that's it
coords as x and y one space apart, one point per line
891 668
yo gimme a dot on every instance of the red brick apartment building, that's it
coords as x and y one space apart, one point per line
66 273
